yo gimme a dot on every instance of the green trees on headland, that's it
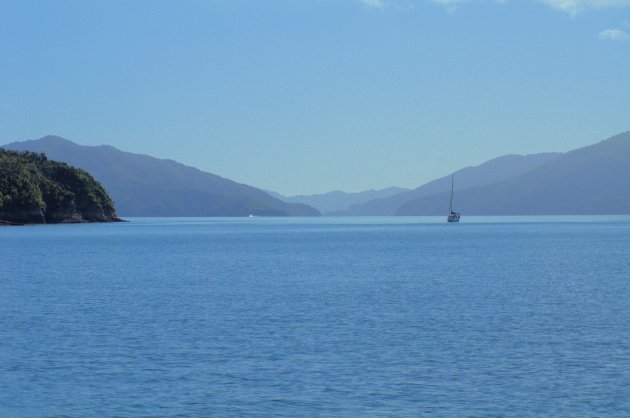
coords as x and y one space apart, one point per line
34 189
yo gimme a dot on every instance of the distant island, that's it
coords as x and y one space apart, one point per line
36 190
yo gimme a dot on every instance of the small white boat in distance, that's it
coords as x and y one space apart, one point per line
452 216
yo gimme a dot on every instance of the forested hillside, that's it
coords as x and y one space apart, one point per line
34 189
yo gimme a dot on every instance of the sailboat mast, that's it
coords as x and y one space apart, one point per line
450 205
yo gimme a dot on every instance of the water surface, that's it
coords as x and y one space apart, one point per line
303 317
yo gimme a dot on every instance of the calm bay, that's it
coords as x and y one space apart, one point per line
401 316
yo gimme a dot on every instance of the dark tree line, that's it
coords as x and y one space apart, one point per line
34 189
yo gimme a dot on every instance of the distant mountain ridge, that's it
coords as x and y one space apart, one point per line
491 171
589 180
141 185
339 200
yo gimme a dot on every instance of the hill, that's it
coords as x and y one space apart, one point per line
34 189
146 186
491 171
589 180
339 200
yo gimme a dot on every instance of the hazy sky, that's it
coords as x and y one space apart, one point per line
304 96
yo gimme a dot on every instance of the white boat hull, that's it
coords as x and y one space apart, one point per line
453 217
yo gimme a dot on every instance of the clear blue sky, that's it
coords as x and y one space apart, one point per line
305 96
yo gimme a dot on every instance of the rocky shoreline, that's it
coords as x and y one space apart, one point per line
68 221
7 223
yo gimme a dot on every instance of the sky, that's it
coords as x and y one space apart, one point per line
310 96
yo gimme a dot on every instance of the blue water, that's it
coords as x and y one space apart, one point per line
308 317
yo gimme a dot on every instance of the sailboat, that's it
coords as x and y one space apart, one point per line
452 216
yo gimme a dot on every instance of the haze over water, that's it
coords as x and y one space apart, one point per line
304 317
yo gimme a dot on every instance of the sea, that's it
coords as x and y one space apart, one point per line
343 317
